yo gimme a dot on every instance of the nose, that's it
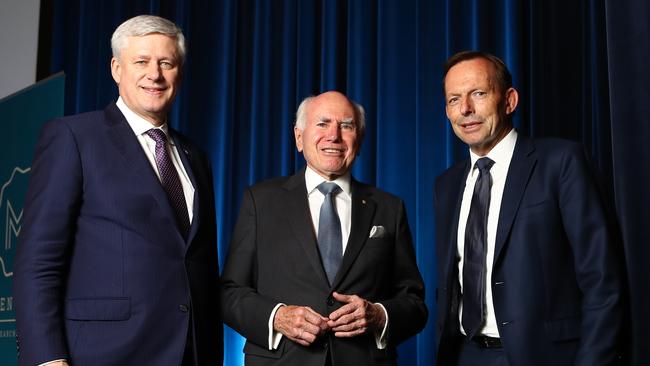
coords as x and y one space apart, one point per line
153 72
466 106
334 132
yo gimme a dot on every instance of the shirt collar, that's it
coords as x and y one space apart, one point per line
313 179
501 153
138 124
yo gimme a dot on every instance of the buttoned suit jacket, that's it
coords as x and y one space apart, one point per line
102 274
555 281
273 258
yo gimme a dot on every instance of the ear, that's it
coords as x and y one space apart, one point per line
298 135
116 70
512 98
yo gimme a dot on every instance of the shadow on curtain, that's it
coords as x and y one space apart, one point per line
251 62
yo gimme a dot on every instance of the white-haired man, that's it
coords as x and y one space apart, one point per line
117 261
321 269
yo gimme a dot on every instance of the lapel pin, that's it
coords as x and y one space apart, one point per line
363 201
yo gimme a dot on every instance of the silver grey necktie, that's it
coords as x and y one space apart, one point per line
330 242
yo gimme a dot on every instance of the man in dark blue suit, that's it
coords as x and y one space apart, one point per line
117 261
526 269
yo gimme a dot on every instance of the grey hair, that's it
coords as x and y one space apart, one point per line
143 25
359 111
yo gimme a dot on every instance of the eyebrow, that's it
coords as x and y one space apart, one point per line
327 119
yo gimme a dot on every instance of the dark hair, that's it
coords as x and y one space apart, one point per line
501 73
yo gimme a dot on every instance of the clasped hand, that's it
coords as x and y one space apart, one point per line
303 325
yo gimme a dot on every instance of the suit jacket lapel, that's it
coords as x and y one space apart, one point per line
300 223
189 164
126 143
521 166
363 211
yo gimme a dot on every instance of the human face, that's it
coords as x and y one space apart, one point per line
148 75
329 140
477 109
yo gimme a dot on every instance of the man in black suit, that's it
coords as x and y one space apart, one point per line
323 276
526 269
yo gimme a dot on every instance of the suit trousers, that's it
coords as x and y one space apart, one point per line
472 354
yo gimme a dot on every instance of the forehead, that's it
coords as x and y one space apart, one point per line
334 106
469 73
151 43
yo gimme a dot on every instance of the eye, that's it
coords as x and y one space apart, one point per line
453 101
140 62
166 65
348 126
321 124
479 93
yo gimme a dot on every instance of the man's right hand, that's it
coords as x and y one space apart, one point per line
301 324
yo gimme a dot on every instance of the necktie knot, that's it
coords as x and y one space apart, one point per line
484 164
157 135
328 188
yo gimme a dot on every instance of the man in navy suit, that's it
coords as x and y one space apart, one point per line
526 269
307 290
117 261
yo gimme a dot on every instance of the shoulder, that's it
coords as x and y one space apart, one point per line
554 145
453 174
563 159
377 194
81 121
188 145
273 184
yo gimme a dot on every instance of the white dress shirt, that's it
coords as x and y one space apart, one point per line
501 154
140 126
343 203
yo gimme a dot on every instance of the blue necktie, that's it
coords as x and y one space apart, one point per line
475 251
170 180
330 242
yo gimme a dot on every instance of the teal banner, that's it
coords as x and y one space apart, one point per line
21 117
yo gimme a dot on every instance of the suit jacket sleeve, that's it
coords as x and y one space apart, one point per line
244 309
51 207
407 312
597 272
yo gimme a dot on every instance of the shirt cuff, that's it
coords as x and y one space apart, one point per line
53 361
381 339
274 337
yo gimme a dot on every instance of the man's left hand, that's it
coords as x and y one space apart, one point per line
356 317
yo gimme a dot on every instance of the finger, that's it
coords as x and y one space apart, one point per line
313 317
352 333
351 326
342 297
307 328
343 310
343 320
302 337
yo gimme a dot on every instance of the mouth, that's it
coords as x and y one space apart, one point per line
332 151
470 126
153 90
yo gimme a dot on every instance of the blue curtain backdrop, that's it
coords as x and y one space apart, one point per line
579 66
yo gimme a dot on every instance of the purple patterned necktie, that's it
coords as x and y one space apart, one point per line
170 180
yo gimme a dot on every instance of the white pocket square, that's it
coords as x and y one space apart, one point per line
377 232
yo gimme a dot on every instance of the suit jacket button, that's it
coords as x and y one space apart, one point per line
184 308
330 301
